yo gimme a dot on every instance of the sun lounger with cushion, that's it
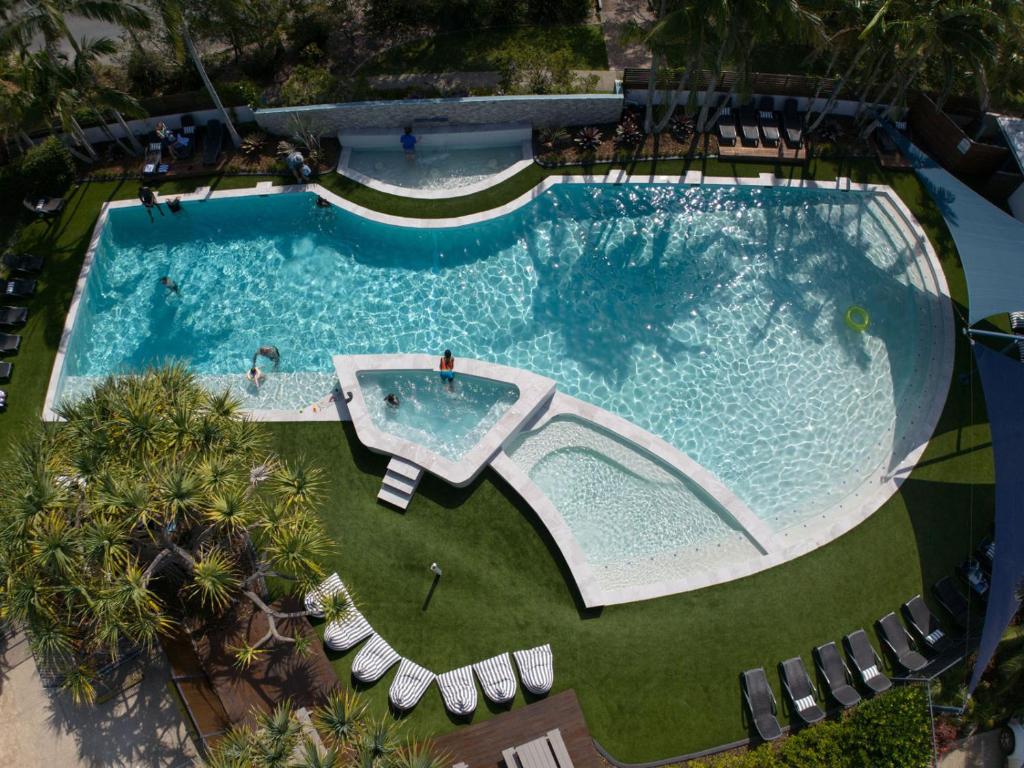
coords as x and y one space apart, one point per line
864 659
23 262
897 640
458 691
768 121
44 206
9 344
761 703
352 629
536 669
985 554
373 660
153 158
837 675
800 690
17 288
792 124
212 142
727 128
748 125
314 598
924 624
410 683
952 600
13 315
497 678
5 371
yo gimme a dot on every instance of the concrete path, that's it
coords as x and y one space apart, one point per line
40 728
615 16
978 751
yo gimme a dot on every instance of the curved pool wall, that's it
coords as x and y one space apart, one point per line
450 161
933 365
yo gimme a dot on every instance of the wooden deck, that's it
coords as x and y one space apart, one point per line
763 154
479 746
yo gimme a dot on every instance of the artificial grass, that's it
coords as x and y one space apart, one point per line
656 678
482 50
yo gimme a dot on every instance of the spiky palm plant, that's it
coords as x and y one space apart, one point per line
419 755
378 741
341 717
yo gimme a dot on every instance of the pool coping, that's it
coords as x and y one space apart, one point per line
534 393
869 497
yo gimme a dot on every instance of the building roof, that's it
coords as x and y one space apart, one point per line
1013 130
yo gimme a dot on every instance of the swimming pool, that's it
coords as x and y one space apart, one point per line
711 316
438 169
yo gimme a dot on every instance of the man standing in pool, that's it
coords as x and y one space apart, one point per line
447 367
409 144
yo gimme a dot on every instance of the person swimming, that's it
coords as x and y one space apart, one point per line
447 366
170 285
392 400
270 352
322 203
255 375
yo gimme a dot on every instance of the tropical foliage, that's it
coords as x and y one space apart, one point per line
152 501
338 734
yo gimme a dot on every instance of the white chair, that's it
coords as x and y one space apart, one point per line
329 586
409 685
536 669
497 678
458 691
344 634
373 660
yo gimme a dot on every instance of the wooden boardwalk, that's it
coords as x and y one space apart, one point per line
480 746
762 154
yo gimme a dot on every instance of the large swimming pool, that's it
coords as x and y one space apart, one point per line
711 316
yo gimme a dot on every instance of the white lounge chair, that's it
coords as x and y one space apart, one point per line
458 691
409 685
536 669
497 678
373 660
344 634
329 586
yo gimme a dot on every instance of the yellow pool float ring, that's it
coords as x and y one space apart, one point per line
857 318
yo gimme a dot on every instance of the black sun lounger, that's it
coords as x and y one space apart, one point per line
800 690
768 121
748 124
5 371
837 675
986 554
761 702
9 344
952 601
897 640
154 157
922 621
864 659
44 206
13 316
23 262
727 128
792 124
212 142
18 288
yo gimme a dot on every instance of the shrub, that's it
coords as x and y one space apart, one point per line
145 70
822 746
762 757
47 169
891 731
308 85
238 92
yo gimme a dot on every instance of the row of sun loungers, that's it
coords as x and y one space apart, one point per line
16 288
458 691
757 121
800 690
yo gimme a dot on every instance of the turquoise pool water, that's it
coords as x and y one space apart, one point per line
449 419
711 316
435 168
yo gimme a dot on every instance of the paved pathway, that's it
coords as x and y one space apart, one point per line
615 15
978 751
40 728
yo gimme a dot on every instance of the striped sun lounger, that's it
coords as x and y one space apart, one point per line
342 635
328 586
536 669
373 660
458 691
409 685
497 678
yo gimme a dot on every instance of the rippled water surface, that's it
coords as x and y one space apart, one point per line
711 316
434 168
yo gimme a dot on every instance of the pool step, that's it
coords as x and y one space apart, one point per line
400 482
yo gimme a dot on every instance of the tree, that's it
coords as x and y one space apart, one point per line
153 502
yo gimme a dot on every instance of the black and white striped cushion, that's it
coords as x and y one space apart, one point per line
536 668
458 690
314 598
409 685
342 635
373 660
497 678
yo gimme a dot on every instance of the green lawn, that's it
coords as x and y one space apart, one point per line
656 678
482 50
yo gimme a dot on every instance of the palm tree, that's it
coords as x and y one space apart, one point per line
151 477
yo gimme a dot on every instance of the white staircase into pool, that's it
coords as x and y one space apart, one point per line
400 482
